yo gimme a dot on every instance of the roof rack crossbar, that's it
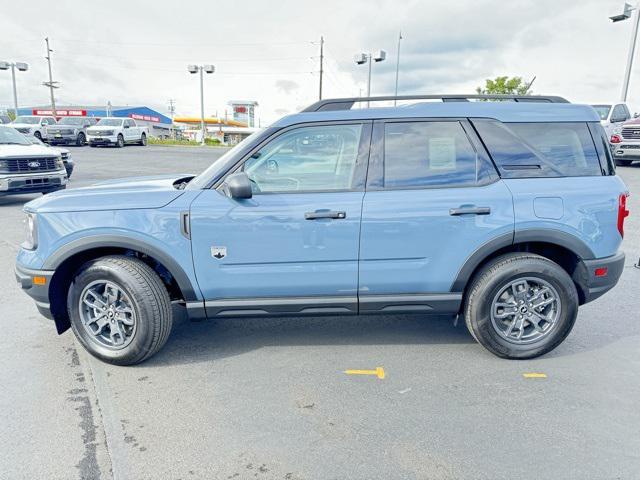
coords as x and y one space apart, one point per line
347 103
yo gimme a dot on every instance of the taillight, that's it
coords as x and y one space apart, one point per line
622 212
615 139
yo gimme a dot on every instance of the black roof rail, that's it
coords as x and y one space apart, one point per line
347 103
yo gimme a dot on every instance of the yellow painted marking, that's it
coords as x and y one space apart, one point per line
378 372
534 375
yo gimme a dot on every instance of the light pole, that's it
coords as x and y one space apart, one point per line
202 69
626 14
369 58
22 67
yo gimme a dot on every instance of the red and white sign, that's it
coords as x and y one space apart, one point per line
240 109
146 118
61 113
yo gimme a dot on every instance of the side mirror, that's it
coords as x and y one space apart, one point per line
238 186
126 126
636 115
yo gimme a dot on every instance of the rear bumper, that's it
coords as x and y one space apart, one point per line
38 291
596 286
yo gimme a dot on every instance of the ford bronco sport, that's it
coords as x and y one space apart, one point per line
508 213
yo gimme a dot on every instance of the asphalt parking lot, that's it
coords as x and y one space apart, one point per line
269 399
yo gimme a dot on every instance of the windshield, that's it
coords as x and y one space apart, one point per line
29 120
205 177
110 122
71 121
603 110
9 136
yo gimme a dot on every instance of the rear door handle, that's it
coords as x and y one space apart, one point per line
470 211
320 214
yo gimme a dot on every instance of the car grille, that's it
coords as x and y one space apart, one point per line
29 165
631 132
629 147
60 131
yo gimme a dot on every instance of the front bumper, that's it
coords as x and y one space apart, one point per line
628 150
595 286
102 140
38 290
33 182
55 138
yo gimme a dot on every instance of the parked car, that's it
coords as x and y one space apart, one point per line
28 168
70 130
612 116
65 154
117 131
626 143
33 125
508 214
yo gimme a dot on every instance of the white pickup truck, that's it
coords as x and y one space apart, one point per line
117 131
28 168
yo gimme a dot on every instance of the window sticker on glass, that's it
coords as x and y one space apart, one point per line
442 153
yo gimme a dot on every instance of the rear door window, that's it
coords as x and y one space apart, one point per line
428 154
540 149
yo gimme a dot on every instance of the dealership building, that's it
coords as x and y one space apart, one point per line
159 125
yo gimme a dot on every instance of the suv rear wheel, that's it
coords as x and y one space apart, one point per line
119 309
521 306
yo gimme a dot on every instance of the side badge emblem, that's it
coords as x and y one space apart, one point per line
219 252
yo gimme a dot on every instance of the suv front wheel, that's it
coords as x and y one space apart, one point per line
521 306
120 310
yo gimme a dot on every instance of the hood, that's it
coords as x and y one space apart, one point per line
633 121
27 151
122 194
57 126
24 125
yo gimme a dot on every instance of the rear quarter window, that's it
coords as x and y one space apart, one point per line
522 150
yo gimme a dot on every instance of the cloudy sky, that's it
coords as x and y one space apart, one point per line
136 53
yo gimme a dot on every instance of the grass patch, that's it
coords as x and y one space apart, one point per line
171 141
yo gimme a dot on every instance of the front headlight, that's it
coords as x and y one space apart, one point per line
31 232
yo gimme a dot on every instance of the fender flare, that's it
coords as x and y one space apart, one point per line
550 236
115 241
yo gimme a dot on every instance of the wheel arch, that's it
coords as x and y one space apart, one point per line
68 259
564 249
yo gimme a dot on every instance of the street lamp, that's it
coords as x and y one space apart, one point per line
626 14
202 69
23 67
369 58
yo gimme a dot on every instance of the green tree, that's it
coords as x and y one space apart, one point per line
505 86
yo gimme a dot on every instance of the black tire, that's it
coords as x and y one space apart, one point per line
623 162
38 135
93 145
120 142
149 300
497 274
143 140
81 139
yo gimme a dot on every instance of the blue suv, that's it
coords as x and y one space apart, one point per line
508 213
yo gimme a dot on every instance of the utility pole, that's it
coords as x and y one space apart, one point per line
632 50
397 67
172 111
321 65
51 84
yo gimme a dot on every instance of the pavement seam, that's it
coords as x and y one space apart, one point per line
116 452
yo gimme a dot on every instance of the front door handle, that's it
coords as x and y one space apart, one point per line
470 211
320 214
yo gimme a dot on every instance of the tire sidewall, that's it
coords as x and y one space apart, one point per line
143 336
81 139
143 140
120 142
480 309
